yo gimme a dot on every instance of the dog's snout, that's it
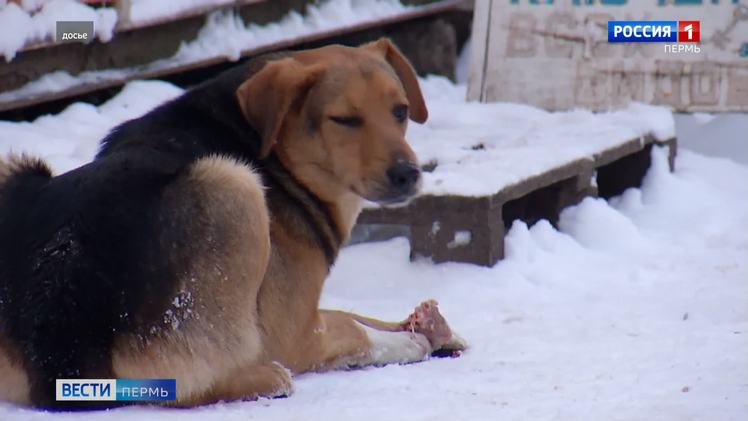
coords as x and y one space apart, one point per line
403 176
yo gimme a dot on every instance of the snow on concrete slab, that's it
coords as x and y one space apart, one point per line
511 142
634 309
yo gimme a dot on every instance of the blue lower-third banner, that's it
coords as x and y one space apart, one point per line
116 390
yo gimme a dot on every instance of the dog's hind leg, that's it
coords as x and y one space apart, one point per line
216 226
14 383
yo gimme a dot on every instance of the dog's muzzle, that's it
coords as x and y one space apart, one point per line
404 181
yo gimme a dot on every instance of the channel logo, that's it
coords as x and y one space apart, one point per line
116 390
689 31
654 31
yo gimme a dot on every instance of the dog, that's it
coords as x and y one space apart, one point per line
195 245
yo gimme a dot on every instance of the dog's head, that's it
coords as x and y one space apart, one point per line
336 117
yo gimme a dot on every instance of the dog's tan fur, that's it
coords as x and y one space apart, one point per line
249 313
14 384
225 278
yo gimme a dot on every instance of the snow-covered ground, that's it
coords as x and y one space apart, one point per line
631 310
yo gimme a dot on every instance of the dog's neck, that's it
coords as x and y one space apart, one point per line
317 215
345 209
342 204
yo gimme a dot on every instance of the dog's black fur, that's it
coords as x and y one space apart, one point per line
84 255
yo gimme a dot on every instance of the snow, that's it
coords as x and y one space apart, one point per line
515 142
633 309
21 27
461 238
14 21
143 11
70 138
224 35
59 81
462 67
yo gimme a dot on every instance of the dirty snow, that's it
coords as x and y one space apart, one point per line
631 310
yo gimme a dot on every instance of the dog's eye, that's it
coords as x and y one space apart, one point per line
400 112
349 121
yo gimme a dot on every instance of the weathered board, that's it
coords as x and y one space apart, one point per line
555 55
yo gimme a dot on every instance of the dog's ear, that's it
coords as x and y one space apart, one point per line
418 111
267 96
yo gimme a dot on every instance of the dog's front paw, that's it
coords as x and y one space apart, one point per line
428 321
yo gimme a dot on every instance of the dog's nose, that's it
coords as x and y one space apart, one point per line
403 176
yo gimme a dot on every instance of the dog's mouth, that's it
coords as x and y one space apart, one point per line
385 195
396 200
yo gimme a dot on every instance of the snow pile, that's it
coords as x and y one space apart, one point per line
21 27
633 309
513 142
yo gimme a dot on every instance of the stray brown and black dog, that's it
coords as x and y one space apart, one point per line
196 244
